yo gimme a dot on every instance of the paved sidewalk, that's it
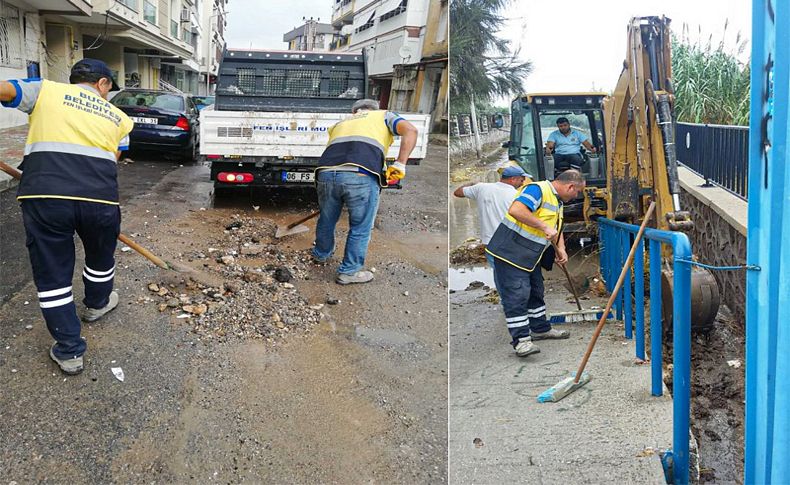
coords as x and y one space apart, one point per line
609 431
12 148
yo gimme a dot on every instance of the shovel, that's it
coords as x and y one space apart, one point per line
295 227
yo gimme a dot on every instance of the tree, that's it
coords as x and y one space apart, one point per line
483 65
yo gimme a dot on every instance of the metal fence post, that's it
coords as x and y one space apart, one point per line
628 319
655 318
639 298
681 357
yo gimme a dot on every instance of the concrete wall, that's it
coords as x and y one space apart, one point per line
719 236
464 147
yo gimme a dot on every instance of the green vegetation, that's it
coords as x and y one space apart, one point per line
711 84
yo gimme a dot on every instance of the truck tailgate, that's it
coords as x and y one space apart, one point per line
265 134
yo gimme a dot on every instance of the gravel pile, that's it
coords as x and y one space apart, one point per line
471 251
258 299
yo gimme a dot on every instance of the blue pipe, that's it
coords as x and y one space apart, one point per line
629 314
639 289
656 328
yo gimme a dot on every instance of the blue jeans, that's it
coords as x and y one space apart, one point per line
521 295
360 194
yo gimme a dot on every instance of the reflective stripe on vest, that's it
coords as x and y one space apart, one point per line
522 245
362 140
71 144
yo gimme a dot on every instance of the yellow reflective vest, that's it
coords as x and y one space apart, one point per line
361 141
71 144
522 245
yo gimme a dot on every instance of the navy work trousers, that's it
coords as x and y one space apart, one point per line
521 294
50 225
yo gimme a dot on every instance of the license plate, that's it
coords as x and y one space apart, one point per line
145 121
298 177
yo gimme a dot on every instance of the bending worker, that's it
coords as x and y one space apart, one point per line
519 247
352 172
566 144
69 184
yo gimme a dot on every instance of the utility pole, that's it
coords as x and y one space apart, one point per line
475 128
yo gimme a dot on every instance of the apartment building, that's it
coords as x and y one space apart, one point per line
312 36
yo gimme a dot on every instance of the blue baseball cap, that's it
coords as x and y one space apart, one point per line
94 66
513 171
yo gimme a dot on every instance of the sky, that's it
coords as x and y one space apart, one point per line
577 45
262 23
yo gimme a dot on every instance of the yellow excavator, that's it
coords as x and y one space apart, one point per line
634 161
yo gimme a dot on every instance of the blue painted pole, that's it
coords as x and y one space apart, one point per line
627 296
639 298
767 435
619 262
655 318
681 359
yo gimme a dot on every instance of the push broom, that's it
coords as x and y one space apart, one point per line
580 378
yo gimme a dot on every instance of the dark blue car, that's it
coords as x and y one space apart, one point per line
163 121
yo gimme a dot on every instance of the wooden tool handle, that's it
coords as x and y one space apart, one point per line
148 254
11 171
617 287
121 237
305 218
570 281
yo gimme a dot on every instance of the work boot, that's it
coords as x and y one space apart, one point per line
551 334
71 366
93 314
358 277
526 347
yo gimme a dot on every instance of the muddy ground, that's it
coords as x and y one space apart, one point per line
357 394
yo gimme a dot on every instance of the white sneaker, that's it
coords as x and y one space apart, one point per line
358 277
551 334
93 314
526 347
71 366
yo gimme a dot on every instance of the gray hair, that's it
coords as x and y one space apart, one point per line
369 104
570 177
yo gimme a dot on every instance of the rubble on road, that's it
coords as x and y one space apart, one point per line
471 251
257 299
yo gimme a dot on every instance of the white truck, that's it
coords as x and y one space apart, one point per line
268 125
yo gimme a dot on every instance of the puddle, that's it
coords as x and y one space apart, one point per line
459 278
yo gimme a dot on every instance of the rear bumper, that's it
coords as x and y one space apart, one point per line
263 176
159 139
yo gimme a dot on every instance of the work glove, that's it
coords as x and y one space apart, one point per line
395 172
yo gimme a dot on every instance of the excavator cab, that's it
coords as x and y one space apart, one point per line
534 118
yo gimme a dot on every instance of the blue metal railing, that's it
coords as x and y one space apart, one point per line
615 241
719 154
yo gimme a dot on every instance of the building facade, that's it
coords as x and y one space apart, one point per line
153 44
312 36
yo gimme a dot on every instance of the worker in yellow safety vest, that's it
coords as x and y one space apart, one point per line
351 173
69 184
520 246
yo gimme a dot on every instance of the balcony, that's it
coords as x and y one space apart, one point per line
342 12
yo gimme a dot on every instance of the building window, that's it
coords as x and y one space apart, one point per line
395 11
10 36
129 3
441 31
149 12
367 24
175 9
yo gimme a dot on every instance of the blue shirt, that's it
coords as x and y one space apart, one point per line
567 145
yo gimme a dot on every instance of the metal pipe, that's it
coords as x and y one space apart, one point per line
628 316
656 329
681 359
639 298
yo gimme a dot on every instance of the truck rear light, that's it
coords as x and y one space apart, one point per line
182 123
213 157
235 177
